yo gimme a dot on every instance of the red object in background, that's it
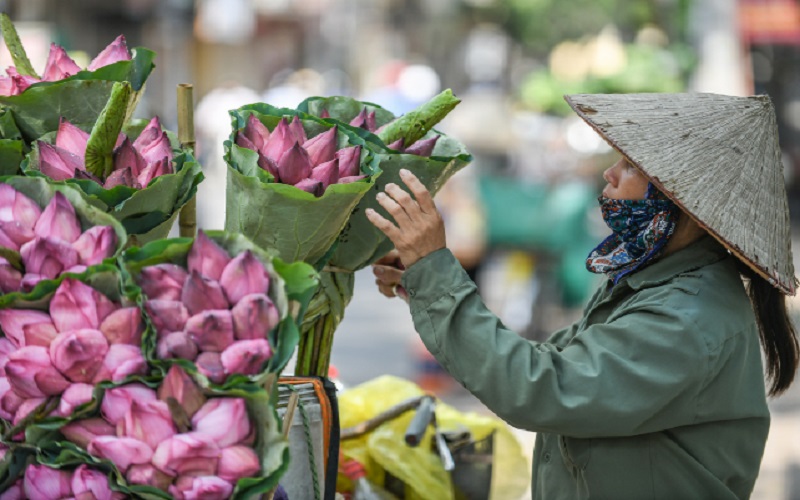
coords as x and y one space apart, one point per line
770 22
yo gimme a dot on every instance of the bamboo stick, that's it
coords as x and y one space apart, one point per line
187 222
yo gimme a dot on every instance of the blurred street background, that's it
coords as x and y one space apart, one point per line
523 216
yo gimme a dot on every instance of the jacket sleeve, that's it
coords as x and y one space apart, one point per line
640 372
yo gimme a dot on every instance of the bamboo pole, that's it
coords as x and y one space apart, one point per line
187 222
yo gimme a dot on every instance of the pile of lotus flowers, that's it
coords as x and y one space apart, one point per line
49 242
291 158
215 312
47 483
59 66
83 338
172 438
135 163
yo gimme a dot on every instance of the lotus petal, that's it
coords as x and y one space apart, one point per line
58 220
295 165
115 51
349 161
206 257
243 275
322 147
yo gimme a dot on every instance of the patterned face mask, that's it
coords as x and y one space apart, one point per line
641 229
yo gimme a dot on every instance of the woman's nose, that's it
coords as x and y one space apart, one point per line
608 176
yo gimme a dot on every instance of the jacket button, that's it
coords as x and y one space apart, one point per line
546 458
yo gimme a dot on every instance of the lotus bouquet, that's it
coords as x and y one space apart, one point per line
56 232
47 483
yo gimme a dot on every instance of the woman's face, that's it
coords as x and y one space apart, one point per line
625 182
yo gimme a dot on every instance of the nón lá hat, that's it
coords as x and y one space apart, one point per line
715 156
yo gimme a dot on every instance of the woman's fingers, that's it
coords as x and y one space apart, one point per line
421 193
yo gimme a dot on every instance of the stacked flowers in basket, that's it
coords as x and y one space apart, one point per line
43 482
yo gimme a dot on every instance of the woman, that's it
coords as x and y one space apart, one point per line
658 391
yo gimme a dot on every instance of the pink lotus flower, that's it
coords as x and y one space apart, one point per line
211 330
256 133
46 258
210 364
44 483
27 407
311 186
279 141
115 51
58 163
294 165
423 147
202 294
16 233
246 356
122 451
127 157
254 317
296 131
6 348
82 432
200 488
147 475
364 120
96 244
74 396
79 354
163 281
180 386
58 220
167 315
10 403
327 173
90 484
207 258
5 388
322 148
223 420
76 305
243 275
117 401
121 361
72 139
32 375
123 326
150 172
153 143
122 177
187 454
177 345
14 492
14 322
59 65
10 278
41 334
236 462
16 207
150 422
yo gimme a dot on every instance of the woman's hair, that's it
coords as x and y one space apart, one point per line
778 336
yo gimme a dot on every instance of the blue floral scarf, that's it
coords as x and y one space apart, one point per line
641 229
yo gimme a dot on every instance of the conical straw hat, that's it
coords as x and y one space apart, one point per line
717 157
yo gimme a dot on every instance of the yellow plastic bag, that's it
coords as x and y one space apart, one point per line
384 452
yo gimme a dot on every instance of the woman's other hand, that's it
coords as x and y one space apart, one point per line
388 272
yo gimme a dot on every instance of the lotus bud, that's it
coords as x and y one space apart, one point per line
5 388
203 294
236 462
243 275
59 65
153 170
10 402
354 178
149 134
44 483
210 365
167 315
269 165
322 147
76 305
28 407
206 257
123 326
211 330
254 317
32 374
6 241
72 139
187 454
279 141
223 420
82 432
349 161
176 345
15 491
117 401
22 82
147 475
158 150
297 131
397 145
58 163
311 186
422 147
360 120
121 177
96 244
370 122
10 277
115 51
181 387
48 258
58 220
121 361
294 165
327 173
256 132
14 321
126 155
79 354
163 281
246 356
197 487
74 396
150 422
91 484
243 142
17 233
122 451
41 334
16 207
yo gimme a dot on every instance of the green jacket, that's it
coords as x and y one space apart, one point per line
657 392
